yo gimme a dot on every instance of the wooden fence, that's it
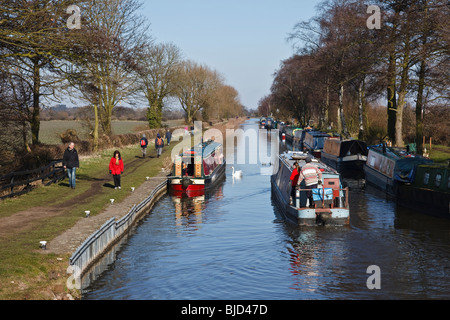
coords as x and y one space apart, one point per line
94 247
18 183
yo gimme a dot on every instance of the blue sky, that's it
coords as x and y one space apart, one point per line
243 40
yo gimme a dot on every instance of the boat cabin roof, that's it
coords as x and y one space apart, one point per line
318 134
341 148
290 157
206 148
399 154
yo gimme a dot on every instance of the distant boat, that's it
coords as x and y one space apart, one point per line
386 168
429 192
345 155
262 123
198 169
331 202
314 142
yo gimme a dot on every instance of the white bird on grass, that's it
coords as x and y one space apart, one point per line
236 174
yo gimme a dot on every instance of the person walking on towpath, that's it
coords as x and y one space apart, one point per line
159 144
312 177
71 163
116 168
168 136
144 144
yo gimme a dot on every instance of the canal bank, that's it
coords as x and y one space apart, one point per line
27 271
120 219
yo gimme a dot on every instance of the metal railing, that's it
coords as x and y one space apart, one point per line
94 247
342 199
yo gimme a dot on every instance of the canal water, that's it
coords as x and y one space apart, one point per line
232 244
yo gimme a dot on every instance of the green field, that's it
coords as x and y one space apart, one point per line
50 130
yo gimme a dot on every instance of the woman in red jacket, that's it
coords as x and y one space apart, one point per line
116 168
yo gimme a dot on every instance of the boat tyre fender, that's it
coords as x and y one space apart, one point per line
186 182
324 217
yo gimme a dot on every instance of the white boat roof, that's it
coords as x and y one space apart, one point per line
290 157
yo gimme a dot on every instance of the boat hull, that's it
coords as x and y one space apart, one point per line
348 165
430 202
196 186
332 212
309 216
380 181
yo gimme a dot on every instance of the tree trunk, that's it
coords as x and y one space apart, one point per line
342 126
154 114
327 103
391 97
419 108
96 127
361 110
35 121
402 97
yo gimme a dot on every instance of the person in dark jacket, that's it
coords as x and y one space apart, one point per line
168 137
144 144
71 163
159 144
116 168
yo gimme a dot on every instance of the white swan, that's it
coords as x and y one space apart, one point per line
236 174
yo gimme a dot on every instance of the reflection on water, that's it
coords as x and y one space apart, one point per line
232 244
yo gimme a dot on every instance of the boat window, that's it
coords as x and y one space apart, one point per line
437 180
372 161
448 183
426 178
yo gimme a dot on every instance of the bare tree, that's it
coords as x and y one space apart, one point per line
158 71
33 37
195 86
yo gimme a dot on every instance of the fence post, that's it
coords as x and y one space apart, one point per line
12 185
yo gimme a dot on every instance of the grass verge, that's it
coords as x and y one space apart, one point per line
26 273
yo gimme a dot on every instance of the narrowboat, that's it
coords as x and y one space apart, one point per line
262 123
331 205
290 133
270 124
345 155
299 138
198 169
429 192
386 168
314 142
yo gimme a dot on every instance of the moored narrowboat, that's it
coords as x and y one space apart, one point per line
262 123
429 192
269 124
198 169
345 155
331 205
387 168
314 142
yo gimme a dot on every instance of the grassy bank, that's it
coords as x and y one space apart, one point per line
27 273
440 153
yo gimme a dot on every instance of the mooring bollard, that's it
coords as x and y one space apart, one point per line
132 189
43 245
112 201
88 213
